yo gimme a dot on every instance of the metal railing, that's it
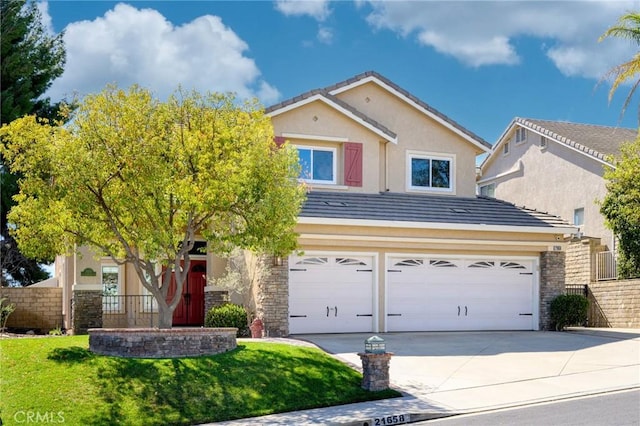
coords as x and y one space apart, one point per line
605 266
581 289
129 310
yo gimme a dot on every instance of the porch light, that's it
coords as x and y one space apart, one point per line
375 345
277 260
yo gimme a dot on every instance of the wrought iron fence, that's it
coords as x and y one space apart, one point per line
129 310
606 267
580 289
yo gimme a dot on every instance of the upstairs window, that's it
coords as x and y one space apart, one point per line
578 216
488 190
505 148
521 134
318 165
543 142
428 172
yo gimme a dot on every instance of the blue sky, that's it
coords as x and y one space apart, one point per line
481 63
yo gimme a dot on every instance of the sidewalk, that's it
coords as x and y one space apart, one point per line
443 374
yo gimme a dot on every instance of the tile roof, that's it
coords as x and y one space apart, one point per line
327 92
425 208
597 141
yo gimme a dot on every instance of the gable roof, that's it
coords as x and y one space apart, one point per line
372 76
597 142
427 211
328 95
335 103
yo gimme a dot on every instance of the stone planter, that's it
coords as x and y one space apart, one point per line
161 343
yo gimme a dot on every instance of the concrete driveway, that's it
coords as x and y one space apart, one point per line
450 373
469 371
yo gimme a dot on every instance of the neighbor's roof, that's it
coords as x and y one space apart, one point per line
598 141
330 92
432 209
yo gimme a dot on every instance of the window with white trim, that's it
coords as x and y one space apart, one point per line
543 142
488 190
505 148
318 165
578 216
521 134
429 172
111 280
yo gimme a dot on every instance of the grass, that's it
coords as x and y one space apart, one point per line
58 378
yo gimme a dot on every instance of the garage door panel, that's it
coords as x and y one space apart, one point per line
459 294
330 294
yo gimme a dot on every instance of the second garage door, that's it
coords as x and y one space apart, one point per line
439 293
330 294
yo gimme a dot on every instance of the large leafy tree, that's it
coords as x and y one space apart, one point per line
31 60
627 27
138 179
621 207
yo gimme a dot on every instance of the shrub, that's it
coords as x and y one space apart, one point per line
569 309
5 311
229 315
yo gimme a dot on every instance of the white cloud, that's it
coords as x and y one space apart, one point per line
47 22
129 45
485 33
325 35
317 9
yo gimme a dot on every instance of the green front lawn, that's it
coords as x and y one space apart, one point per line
58 378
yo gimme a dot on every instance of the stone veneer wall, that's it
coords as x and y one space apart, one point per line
552 283
579 262
86 310
615 303
214 298
272 298
161 343
36 308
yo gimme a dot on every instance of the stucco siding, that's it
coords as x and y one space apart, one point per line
416 132
317 121
555 179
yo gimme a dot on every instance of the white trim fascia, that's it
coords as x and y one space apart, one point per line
497 145
435 225
440 241
566 145
515 169
319 97
374 271
314 137
508 130
414 104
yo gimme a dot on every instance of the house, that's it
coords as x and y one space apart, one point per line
392 236
558 167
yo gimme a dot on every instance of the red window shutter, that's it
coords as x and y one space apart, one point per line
353 164
279 140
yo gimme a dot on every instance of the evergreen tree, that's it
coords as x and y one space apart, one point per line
31 60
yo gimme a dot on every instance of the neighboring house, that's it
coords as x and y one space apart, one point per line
556 167
392 235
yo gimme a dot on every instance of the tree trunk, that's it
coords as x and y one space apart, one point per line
165 316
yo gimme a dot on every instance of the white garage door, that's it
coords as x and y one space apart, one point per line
330 294
439 293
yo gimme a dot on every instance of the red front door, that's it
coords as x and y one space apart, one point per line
190 310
